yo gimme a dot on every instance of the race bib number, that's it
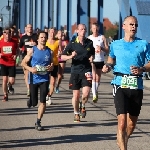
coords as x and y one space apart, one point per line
41 70
7 49
88 75
129 82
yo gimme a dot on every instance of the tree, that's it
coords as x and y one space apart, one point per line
112 31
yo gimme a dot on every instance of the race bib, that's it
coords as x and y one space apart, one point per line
129 82
7 49
41 70
29 43
88 75
97 55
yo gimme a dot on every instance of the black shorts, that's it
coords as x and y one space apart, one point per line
8 71
99 65
54 72
62 61
127 100
78 81
34 92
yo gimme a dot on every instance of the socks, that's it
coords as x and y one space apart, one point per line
38 121
97 86
76 113
83 105
94 88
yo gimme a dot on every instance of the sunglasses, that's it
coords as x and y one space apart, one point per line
6 32
132 24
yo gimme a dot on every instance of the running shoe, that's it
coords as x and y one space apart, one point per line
95 99
48 100
28 93
29 103
10 89
76 118
83 112
5 99
57 90
38 126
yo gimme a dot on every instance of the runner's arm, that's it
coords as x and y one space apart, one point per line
68 53
26 60
105 48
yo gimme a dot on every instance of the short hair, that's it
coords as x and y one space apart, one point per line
40 33
129 17
45 27
28 24
80 25
96 24
7 28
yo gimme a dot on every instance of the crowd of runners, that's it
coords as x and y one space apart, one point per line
43 55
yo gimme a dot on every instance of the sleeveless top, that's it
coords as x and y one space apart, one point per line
54 47
98 41
40 58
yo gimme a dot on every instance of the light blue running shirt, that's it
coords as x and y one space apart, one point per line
42 58
129 54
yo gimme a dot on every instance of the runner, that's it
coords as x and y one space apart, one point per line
27 41
8 52
101 47
54 45
81 51
61 66
40 58
128 55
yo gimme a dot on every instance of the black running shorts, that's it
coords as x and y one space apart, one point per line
55 71
78 81
43 86
99 65
8 71
127 100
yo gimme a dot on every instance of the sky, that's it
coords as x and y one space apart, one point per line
110 12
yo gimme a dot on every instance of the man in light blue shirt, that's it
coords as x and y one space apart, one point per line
127 59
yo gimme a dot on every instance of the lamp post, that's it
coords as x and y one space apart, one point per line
8 7
1 20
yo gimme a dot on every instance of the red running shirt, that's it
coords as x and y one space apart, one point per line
8 50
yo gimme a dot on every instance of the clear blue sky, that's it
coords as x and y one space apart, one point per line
111 10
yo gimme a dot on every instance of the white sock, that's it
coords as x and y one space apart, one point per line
97 86
83 105
76 113
94 88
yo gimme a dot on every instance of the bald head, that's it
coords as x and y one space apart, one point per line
126 19
129 26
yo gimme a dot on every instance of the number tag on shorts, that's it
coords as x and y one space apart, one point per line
88 75
129 82
7 49
41 70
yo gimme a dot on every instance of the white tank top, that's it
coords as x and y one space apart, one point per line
98 41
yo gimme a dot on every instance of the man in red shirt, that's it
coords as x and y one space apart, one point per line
8 49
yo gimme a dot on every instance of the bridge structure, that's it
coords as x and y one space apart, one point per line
50 13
